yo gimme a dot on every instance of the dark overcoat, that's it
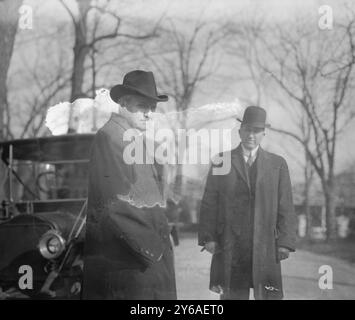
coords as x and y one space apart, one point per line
222 214
128 252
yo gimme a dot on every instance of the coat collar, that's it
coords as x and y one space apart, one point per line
121 121
124 125
262 163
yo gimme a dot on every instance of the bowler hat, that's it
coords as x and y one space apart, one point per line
255 117
137 82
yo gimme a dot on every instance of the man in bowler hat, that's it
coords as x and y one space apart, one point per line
128 252
247 220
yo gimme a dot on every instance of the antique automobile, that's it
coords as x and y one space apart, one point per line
43 192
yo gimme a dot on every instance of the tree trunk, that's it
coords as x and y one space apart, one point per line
308 176
8 26
330 211
307 211
3 100
80 51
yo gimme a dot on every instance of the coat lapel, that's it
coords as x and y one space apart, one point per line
262 164
239 163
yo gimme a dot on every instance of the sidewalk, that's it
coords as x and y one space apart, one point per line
300 275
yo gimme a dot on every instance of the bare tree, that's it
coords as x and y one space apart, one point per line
86 39
49 74
308 174
44 78
244 48
185 58
314 69
305 165
89 31
8 26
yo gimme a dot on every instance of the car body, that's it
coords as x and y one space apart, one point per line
43 216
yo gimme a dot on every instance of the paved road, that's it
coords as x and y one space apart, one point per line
300 275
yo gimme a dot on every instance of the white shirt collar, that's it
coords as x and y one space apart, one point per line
247 152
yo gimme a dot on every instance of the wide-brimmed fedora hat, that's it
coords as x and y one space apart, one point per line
255 117
137 82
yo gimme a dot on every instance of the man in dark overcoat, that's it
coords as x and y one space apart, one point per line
247 218
128 252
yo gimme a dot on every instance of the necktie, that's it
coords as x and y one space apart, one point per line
250 160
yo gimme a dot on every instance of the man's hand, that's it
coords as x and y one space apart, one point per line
211 247
283 253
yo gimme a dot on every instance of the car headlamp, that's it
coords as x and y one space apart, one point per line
51 245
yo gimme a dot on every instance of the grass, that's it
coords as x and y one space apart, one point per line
342 249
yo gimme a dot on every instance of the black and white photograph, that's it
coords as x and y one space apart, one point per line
166 150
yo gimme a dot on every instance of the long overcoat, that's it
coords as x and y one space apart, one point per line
128 252
222 213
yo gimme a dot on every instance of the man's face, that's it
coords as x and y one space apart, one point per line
250 136
136 109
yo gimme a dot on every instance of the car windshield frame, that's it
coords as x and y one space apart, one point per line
52 150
